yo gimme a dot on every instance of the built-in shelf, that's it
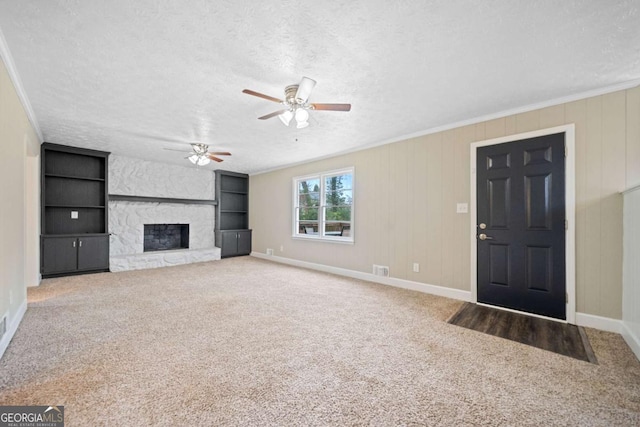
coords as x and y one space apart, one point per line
233 235
234 192
74 214
74 206
57 175
124 198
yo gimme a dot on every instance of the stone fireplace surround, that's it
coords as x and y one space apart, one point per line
134 177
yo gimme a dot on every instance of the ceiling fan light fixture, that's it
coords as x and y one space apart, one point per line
302 115
302 125
286 117
199 160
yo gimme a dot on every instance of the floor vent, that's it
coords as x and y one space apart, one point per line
381 270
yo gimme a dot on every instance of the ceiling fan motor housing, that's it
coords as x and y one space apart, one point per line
290 95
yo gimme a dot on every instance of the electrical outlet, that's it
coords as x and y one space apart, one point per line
462 208
416 267
281 248
269 251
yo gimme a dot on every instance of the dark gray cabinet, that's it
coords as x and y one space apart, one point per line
63 255
74 201
234 242
232 232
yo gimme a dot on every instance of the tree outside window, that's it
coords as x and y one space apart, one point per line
324 206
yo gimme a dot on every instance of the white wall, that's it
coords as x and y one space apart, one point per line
18 141
631 274
135 177
32 275
406 195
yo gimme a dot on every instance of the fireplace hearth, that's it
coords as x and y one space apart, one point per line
165 237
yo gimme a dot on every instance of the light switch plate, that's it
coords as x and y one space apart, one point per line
462 208
74 214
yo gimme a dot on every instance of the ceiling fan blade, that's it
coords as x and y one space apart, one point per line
275 113
262 95
214 158
332 107
220 153
175 149
304 88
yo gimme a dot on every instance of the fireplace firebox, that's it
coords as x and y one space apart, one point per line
165 237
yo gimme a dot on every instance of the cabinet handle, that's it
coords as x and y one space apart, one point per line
80 243
74 243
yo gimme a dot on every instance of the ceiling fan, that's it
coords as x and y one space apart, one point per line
200 154
296 103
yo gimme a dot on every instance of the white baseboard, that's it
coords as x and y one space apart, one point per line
12 327
632 340
389 281
582 319
597 322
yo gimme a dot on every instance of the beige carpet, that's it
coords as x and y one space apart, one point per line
248 342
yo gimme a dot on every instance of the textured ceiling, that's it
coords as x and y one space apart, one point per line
126 76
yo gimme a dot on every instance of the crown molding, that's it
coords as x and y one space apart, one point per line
5 54
485 118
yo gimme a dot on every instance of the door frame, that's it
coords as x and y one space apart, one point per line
570 213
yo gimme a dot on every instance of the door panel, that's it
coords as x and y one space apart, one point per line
229 244
539 268
499 263
93 253
499 194
59 254
244 242
520 187
538 198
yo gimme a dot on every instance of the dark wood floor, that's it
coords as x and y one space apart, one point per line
562 338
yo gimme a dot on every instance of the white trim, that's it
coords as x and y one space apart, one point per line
632 340
570 202
479 119
581 319
319 237
13 327
5 54
598 322
631 189
389 281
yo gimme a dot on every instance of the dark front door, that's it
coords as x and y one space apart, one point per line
521 225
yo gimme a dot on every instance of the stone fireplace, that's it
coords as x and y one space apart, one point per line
165 237
162 198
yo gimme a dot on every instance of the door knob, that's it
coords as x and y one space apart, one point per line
484 237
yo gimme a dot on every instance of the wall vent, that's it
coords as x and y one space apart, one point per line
381 270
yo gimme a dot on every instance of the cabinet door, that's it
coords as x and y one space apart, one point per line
229 242
93 253
59 254
244 242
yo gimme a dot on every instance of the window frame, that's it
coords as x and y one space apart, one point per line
322 207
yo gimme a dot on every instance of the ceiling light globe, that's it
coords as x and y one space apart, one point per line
302 125
302 115
199 160
286 117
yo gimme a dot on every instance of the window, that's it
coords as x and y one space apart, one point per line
323 206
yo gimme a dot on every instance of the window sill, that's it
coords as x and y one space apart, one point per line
323 239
